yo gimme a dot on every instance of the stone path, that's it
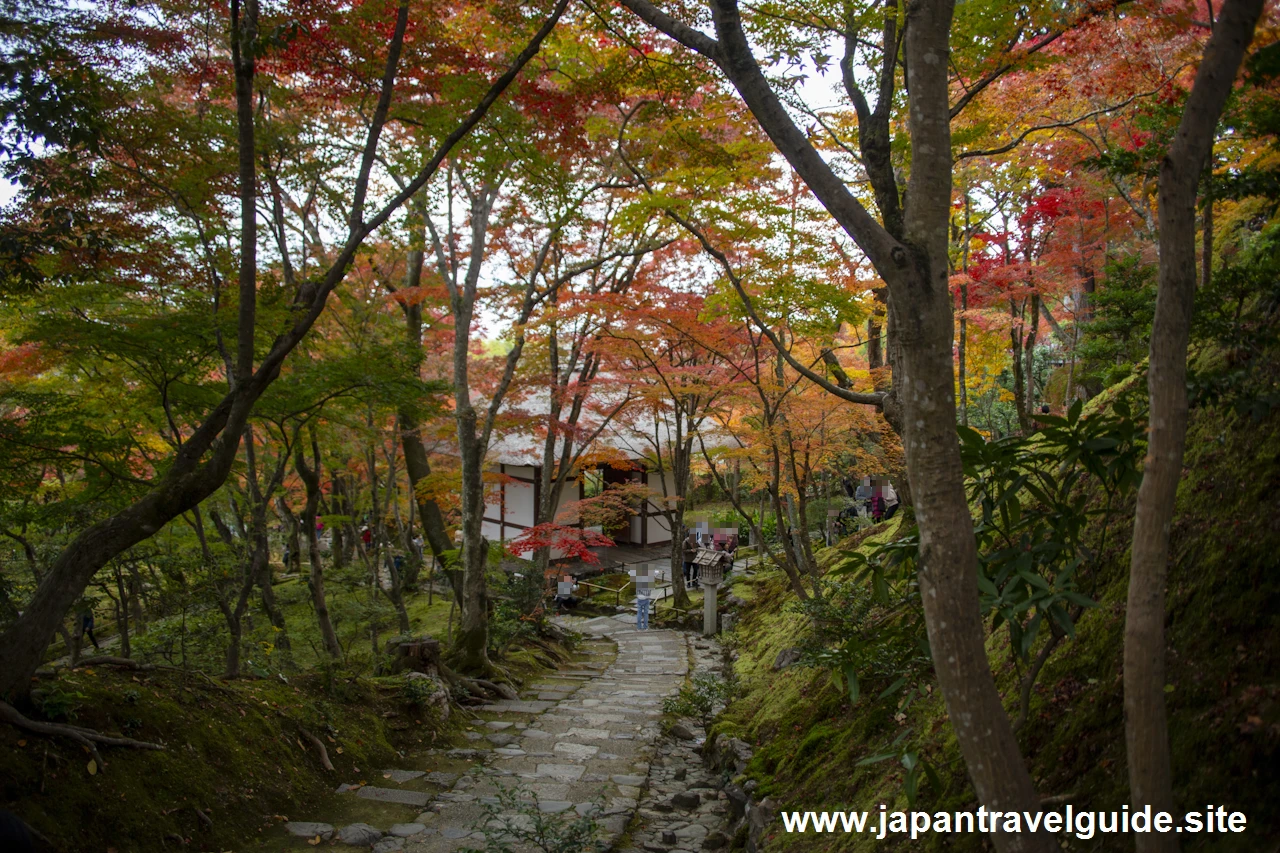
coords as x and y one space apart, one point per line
582 739
683 808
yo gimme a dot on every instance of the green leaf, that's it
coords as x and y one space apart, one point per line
897 685
1029 636
851 676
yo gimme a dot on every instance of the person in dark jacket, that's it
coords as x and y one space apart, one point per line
689 550
86 627
15 837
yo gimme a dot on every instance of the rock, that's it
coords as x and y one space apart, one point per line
734 601
738 801
759 817
686 800
441 778
786 658
506 691
628 780
359 835
309 829
693 831
663 807
407 830
750 785
680 774
715 840
434 701
683 732
389 845
499 739
393 795
654 848
730 753
668 837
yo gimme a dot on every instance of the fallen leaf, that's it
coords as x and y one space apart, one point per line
22 743
313 841
339 750
93 767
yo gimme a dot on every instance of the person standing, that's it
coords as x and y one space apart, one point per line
689 550
642 606
86 627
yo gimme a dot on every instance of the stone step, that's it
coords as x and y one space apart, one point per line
393 795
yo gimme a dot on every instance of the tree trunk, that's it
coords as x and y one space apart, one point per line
962 356
122 614
1016 312
136 600
920 310
310 476
1029 359
920 350
1206 250
1146 727
471 647
231 668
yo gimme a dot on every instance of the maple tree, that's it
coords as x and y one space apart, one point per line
202 462
323 265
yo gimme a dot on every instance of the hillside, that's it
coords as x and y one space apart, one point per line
1224 640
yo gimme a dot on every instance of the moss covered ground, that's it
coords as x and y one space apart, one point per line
1223 679
237 762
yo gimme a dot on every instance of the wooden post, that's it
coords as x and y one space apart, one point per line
709 609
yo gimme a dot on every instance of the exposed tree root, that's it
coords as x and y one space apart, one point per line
138 666
552 652
112 660
503 691
479 687
87 738
319 745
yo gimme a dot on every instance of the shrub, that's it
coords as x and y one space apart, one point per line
700 698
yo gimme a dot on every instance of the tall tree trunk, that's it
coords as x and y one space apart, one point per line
962 365
471 649
122 613
310 476
1146 726
259 541
1029 359
416 461
1206 249
1017 311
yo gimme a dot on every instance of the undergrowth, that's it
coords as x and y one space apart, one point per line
812 744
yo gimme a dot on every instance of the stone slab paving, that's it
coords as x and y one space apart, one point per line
583 749
682 808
